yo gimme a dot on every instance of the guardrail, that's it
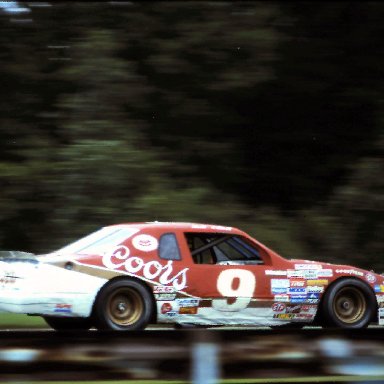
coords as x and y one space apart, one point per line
200 356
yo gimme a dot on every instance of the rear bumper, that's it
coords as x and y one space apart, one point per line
44 289
66 305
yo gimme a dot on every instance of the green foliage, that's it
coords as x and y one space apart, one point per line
265 116
12 321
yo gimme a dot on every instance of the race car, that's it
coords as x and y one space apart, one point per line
126 276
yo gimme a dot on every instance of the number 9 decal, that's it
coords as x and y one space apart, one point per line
235 283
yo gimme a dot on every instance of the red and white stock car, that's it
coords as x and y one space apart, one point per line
125 276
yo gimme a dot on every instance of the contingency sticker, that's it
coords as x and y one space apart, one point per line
308 266
381 316
145 243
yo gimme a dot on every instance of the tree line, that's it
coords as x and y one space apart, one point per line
263 115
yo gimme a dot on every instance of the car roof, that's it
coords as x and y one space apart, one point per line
186 227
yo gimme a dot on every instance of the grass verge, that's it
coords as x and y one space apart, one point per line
12 320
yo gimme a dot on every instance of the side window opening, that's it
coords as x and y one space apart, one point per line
200 253
213 248
168 247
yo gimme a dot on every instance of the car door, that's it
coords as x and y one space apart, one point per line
228 273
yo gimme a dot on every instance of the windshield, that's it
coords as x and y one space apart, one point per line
100 241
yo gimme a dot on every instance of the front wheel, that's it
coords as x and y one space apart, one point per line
123 305
348 303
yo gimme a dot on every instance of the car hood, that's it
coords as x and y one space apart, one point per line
14 255
25 260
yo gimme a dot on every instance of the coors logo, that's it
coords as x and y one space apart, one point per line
120 259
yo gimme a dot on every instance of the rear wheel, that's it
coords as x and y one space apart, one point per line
69 323
348 303
123 305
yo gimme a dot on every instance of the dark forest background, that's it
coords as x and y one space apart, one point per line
267 116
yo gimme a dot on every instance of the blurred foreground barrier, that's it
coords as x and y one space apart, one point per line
201 356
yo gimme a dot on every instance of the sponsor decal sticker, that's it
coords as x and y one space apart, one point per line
299 296
298 299
276 291
317 282
381 316
379 288
308 266
165 296
166 307
293 308
304 316
279 283
309 308
188 311
188 302
297 283
297 291
297 274
214 227
311 274
199 226
273 272
380 298
283 316
145 243
163 289
63 308
278 307
7 280
220 228
325 273
315 289
349 272
283 298
370 278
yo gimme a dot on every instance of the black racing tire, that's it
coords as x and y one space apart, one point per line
123 305
348 303
69 323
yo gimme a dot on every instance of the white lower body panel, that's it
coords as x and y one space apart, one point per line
43 289
173 312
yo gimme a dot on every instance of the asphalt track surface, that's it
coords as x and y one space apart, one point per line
172 328
163 353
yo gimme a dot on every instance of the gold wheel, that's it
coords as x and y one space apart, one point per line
349 305
125 306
